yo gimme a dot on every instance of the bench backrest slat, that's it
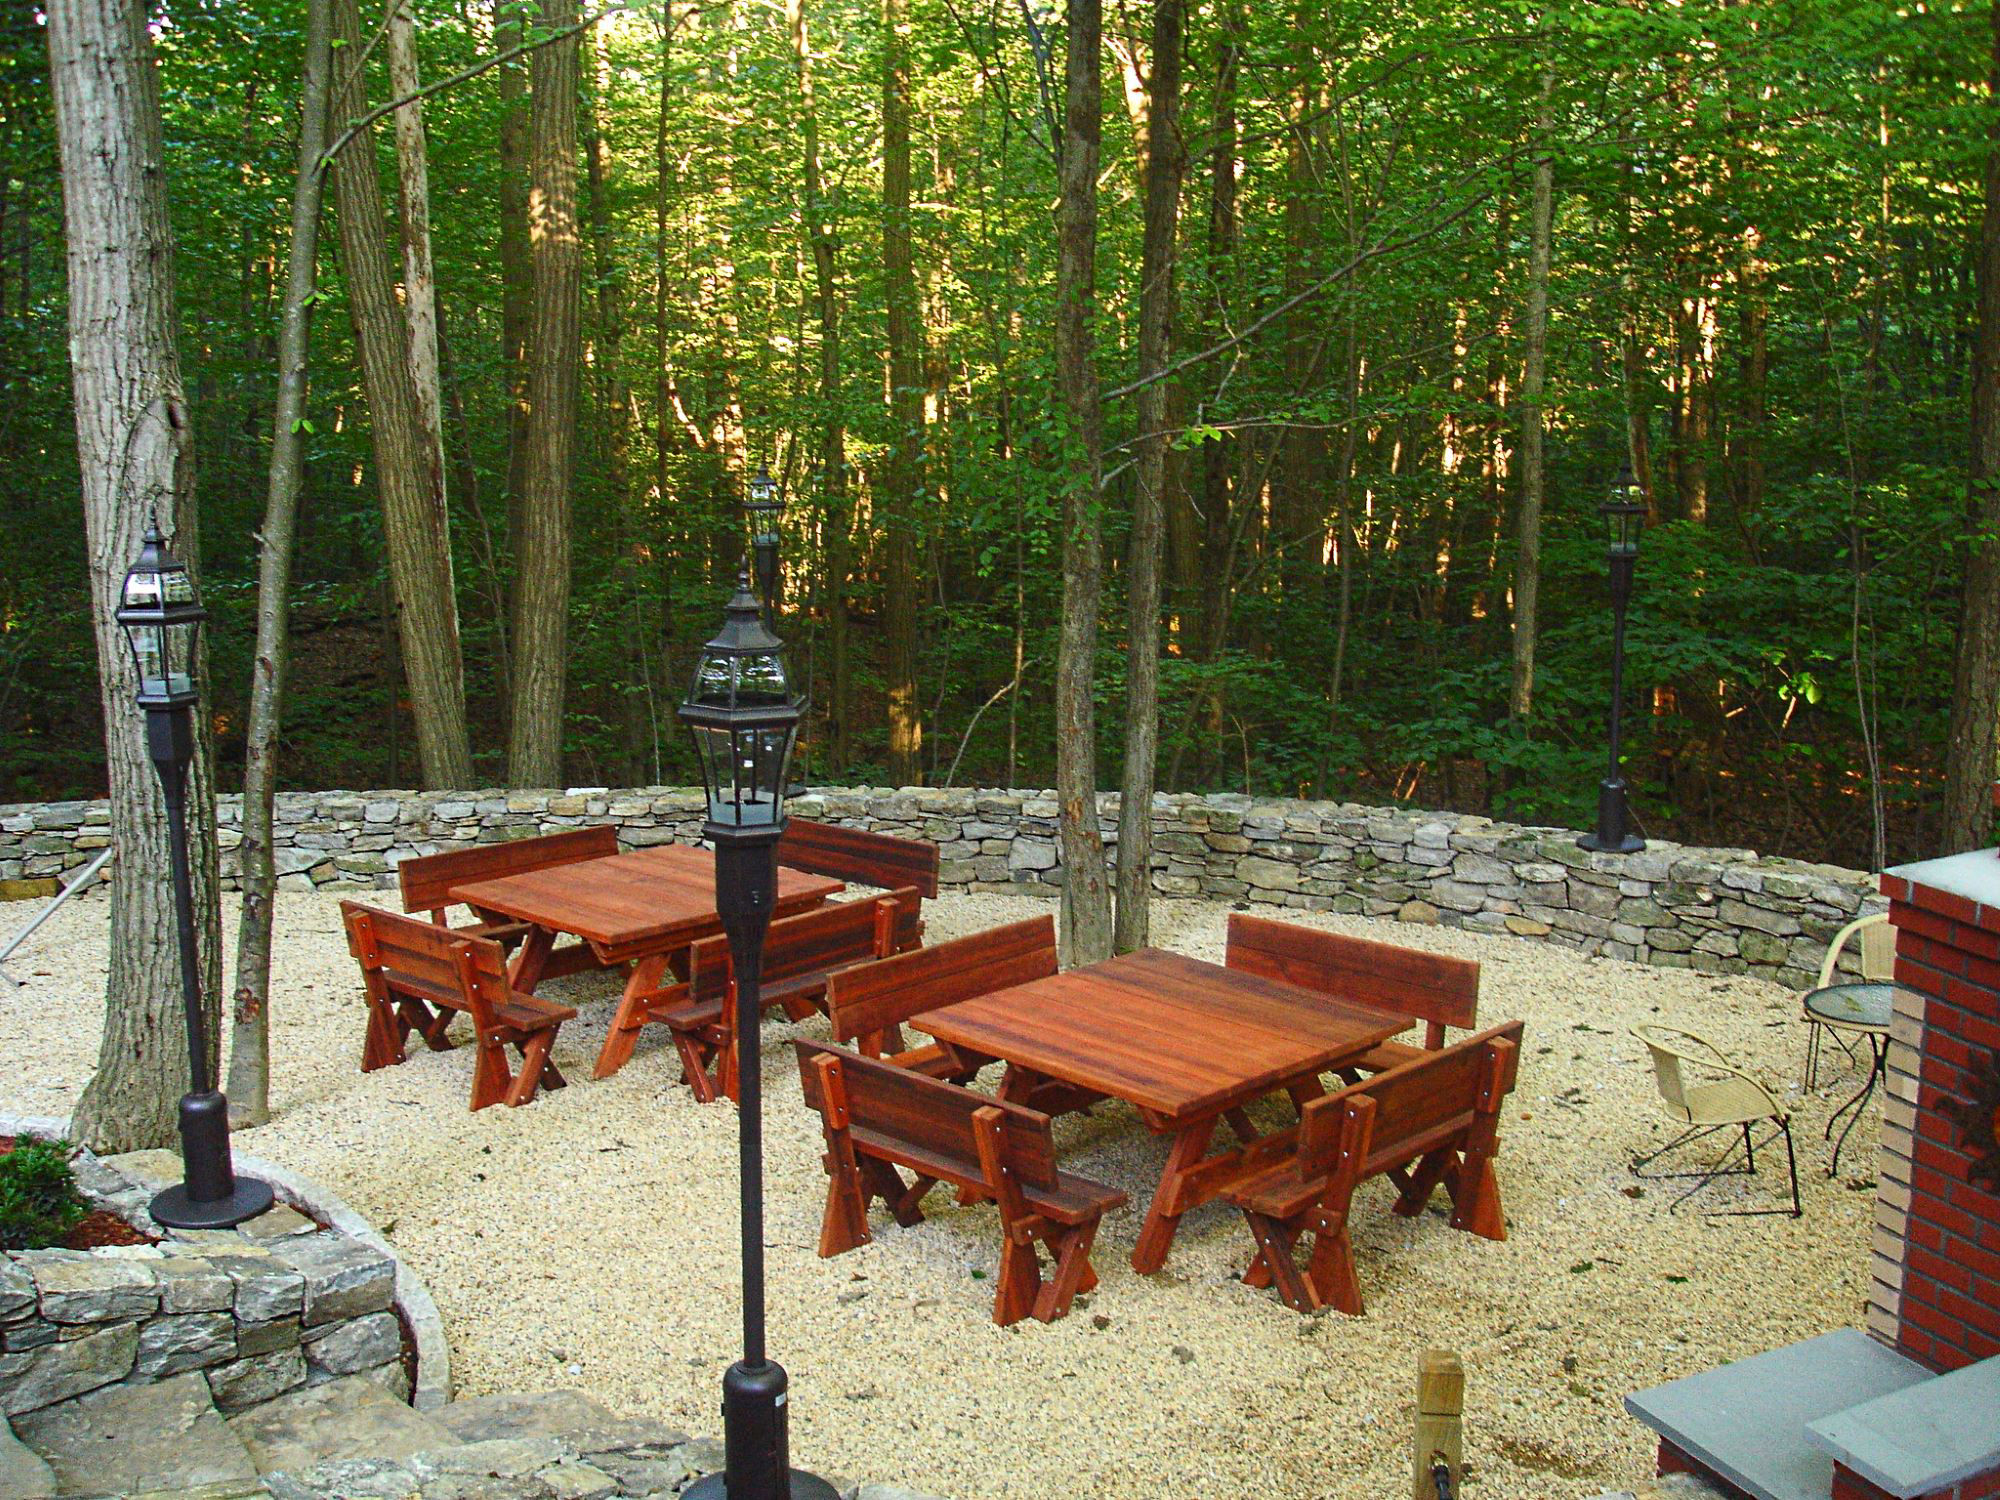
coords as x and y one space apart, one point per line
1437 990
426 881
869 1000
932 1117
1416 1104
867 858
841 932
392 948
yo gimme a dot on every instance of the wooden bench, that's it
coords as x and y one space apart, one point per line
417 973
427 882
880 1118
800 955
1427 987
865 858
1428 1121
868 1005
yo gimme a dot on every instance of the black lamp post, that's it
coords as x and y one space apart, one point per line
744 718
1624 511
161 618
766 506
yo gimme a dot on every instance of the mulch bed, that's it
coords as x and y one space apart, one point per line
100 1227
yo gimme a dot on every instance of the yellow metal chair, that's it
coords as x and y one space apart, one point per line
1728 1099
1877 941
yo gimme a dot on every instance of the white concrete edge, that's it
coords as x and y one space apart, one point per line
413 1298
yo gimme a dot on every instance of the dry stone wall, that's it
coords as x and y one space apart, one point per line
1720 911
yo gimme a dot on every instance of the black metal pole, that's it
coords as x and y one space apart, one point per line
210 1194
1613 835
764 547
755 1429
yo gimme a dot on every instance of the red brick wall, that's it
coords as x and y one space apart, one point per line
1673 1461
1948 950
1847 1485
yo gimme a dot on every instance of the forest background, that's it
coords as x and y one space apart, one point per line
824 236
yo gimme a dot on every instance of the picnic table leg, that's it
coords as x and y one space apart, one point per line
525 972
630 1018
1163 1218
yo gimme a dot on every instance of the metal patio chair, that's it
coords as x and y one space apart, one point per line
1730 1099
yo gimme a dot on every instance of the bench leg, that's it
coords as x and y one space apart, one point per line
1417 1186
534 1061
698 1065
383 1045
1330 1274
491 1077
430 1024
845 1224
1476 1199
1020 1280
1274 1256
1073 1273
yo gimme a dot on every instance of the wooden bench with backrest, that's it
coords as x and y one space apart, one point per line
869 1005
418 973
1430 1121
801 954
428 880
880 1118
1427 987
866 858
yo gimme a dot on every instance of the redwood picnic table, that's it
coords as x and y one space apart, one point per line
643 908
1186 1043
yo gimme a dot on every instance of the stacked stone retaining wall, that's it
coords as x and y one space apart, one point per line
1721 911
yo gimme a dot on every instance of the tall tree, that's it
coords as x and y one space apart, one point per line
903 478
413 217
250 1051
135 451
415 528
541 600
1164 168
1534 379
517 277
1086 891
1973 743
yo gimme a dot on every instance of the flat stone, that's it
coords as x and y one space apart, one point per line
1923 1439
266 1287
642 1473
1267 874
24 1474
135 1438
1735 913
17 1290
336 1420
70 1368
347 1478
498 1458
280 1221
95 1289
188 1341
1420 912
1527 927
344 1278
888 1492
266 1338
356 1344
189 1284
251 1382
577 1481
530 1414
701 1455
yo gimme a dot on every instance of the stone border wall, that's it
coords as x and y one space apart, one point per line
1720 911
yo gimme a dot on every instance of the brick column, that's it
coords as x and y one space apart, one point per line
1936 1264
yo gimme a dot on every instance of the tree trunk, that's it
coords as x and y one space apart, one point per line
1142 571
541 600
903 473
517 278
414 526
135 454
1534 377
1973 741
413 201
1086 894
250 1052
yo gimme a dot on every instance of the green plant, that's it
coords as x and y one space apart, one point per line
39 1203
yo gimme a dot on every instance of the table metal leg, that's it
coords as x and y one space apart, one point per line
1878 1045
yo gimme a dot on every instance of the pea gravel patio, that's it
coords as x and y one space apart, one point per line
588 1240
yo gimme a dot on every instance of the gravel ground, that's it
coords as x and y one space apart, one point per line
590 1240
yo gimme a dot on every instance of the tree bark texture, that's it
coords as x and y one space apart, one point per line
1534 379
517 282
250 1050
135 454
1973 740
903 478
541 599
415 529
1086 893
1164 168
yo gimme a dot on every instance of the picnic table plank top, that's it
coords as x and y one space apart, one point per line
645 898
1165 1032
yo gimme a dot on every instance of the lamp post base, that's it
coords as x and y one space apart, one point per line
1612 835
175 1209
803 1486
755 1442
1631 843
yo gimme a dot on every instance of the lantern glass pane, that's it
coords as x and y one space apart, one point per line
179 650
762 679
149 651
142 591
715 680
713 747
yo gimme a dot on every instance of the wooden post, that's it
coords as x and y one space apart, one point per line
1440 1403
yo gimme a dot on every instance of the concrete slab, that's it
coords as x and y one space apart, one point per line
1924 1438
131 1439
341 1419
1746 1422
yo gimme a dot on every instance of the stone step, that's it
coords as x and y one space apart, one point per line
131 1440
24 1475
345 1418
1670 1487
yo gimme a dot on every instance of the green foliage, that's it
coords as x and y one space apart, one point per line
39 1201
